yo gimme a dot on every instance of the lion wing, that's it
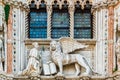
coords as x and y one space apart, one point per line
69 45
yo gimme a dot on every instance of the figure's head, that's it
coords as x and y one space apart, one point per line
35 44
53 45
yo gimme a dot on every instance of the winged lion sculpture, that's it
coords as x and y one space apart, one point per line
60 55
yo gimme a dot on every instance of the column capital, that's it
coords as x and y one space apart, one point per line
49 8
71 8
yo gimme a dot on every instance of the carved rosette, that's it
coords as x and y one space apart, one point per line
49 15
71 12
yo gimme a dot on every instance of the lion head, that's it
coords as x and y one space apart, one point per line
54 45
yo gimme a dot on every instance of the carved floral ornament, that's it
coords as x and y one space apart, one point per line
61 2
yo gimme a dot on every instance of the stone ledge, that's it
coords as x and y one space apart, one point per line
3 76
47 41
67 78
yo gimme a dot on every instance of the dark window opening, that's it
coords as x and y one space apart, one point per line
82 22
38 22
60 22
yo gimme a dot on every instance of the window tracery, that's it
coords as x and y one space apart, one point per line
65 12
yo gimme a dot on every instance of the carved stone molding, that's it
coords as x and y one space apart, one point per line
18 4
113 77
104 4
47 41
60 2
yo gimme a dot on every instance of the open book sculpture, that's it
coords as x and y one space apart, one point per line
60 55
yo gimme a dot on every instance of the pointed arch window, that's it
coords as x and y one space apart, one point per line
38 21
60 22
59 25
83 22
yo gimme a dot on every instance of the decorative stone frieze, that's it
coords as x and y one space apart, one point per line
60 2
104 4
9 77
18 4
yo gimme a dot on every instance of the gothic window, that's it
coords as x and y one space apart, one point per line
60 22
38 21
82 22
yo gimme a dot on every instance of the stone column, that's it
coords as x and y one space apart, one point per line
26 25
49 15
71 12
94 25
110 38
9 43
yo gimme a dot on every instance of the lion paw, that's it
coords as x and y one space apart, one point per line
77 73
59 74
84 74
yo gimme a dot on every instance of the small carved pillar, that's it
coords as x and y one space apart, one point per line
71 12
94 25
49 15
110 39
26 25
9 43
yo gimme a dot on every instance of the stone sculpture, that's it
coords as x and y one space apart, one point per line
49 68
117 48
34 62
60 55
1 54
